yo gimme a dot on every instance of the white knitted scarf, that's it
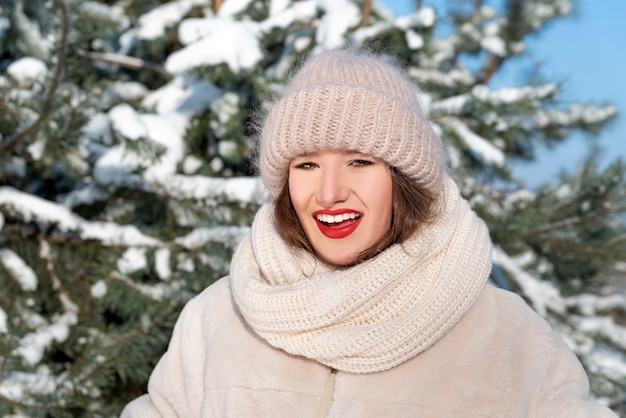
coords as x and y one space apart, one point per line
375 315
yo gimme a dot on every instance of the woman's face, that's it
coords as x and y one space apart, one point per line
342 200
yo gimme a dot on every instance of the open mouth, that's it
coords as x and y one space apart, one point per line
337 225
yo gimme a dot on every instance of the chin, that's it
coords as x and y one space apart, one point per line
339 262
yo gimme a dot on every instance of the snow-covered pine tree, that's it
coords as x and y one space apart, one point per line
125 178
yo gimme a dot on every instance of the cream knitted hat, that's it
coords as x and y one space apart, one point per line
340 100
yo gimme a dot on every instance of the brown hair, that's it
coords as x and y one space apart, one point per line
412 206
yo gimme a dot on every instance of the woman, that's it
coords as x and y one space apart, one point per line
361 288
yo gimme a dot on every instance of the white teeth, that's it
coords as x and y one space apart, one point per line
329 219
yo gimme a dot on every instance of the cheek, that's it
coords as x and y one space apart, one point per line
384 197
297 193
388 211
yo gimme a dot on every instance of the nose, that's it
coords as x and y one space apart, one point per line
332 188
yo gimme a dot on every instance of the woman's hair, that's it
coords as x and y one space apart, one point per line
412 206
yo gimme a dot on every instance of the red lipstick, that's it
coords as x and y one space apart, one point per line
337 230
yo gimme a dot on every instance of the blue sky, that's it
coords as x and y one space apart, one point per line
587 52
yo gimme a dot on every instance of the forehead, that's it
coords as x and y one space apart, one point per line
331 151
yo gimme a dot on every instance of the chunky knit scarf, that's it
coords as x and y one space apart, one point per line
375 315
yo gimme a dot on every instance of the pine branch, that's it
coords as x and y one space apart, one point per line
580 249
30 230
42 406
513 34
615 241
140 330
65 298
127 62
366 13
607 207
54 85
216 5
477 5
7 352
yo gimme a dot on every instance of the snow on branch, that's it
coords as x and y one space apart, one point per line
590 317
452 78
480 147
216 41
541 12
18 269
513 95
233 189
422 18
283 17
33 208
454 105
542 296
152 25
576 113
33 345
200 237
339 17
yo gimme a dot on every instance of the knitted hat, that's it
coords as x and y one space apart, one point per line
341 100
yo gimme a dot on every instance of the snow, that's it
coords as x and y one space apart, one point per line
14 384
127 122
33 345
362 34
282 16
414 40
185 94
340 16
517 197
480 147
127 91
35 209
119 163
104 12
234 189
543 296
133 259
152 25
454 77
603 328
18 269
99 289
27 71
200 237
423 18
226 107
494 44
491 40
607 362
220 41
3 322
233 7
162 263
512 95
454 105
575 113
98 128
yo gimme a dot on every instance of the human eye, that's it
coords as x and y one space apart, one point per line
361 162
304 165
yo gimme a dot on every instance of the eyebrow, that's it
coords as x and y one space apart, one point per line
306 154
350 151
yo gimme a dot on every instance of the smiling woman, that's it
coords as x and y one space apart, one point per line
361 289
343 202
